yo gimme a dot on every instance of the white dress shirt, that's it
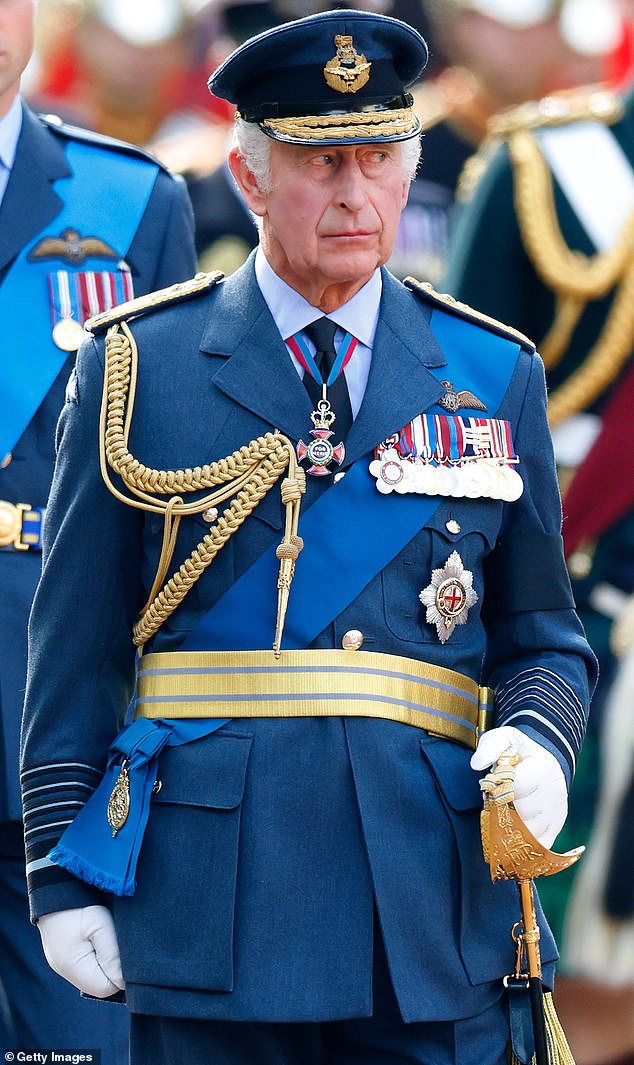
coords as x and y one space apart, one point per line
10 127
358 316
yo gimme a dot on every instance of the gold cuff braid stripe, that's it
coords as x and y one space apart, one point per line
247 475
356 124
575 279
323 683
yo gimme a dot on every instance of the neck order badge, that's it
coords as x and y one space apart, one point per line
326 385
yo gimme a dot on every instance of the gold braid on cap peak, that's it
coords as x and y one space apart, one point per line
575 279
247 475
349 124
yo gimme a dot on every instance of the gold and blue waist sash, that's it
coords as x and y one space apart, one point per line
313 683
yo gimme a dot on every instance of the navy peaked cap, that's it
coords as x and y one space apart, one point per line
334 77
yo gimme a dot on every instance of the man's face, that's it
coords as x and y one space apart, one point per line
16 45
331 215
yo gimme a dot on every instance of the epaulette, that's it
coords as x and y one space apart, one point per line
424 290
98 140
591 102
163 297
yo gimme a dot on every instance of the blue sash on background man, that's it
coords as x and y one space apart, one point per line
480 361
31 360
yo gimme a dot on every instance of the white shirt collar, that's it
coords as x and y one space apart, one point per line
292 312
10 127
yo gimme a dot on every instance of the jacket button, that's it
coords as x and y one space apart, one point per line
352 640
452 526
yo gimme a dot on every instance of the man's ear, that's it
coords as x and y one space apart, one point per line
245 178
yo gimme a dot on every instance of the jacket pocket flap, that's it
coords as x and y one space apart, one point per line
481 516
208 772
449 763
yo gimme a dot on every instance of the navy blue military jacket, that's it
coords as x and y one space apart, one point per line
270 840
161 252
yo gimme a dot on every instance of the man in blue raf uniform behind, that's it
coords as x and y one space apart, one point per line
281 861
84 224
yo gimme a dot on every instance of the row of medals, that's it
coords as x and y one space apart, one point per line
487 478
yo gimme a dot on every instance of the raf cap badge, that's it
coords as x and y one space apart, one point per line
449 596
347 71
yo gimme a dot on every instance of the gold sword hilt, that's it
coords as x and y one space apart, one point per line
513 853
510 848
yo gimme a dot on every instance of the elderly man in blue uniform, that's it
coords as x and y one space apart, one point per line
84 224
281 861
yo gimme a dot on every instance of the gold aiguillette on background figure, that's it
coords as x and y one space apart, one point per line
513 853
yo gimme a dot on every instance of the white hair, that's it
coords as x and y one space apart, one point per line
411 156
255 148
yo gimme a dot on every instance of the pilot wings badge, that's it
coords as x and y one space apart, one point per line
72 248
452 401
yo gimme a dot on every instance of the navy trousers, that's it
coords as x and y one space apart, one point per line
383 1039
38 1009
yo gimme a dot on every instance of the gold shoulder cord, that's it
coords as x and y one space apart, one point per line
247 475
575 278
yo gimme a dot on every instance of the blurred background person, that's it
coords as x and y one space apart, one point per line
546 244
134 71
84 223
489 55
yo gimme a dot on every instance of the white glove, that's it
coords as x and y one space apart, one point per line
81 945
541 795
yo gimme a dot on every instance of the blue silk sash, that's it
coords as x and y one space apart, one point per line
108 193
